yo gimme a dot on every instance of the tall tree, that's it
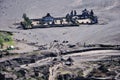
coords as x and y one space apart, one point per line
27 22
24 16
1 42
91 13
68 18
72 13
75 12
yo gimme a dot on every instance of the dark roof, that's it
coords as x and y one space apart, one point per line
36 19
48 15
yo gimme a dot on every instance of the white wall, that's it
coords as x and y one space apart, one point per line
84 21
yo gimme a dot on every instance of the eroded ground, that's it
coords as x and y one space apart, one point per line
58 62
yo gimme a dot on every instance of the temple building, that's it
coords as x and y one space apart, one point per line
48 19
71 19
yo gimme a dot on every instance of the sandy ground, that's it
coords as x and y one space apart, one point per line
107 31
23 48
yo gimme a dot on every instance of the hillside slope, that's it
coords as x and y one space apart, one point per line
107 31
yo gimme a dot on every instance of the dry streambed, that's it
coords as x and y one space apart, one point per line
32 64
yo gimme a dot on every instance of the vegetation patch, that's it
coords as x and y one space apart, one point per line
6 39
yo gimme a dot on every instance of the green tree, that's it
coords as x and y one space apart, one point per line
68 18
91 13
1 42
27 22
75 12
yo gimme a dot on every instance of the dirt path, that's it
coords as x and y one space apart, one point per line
96 52
92 55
